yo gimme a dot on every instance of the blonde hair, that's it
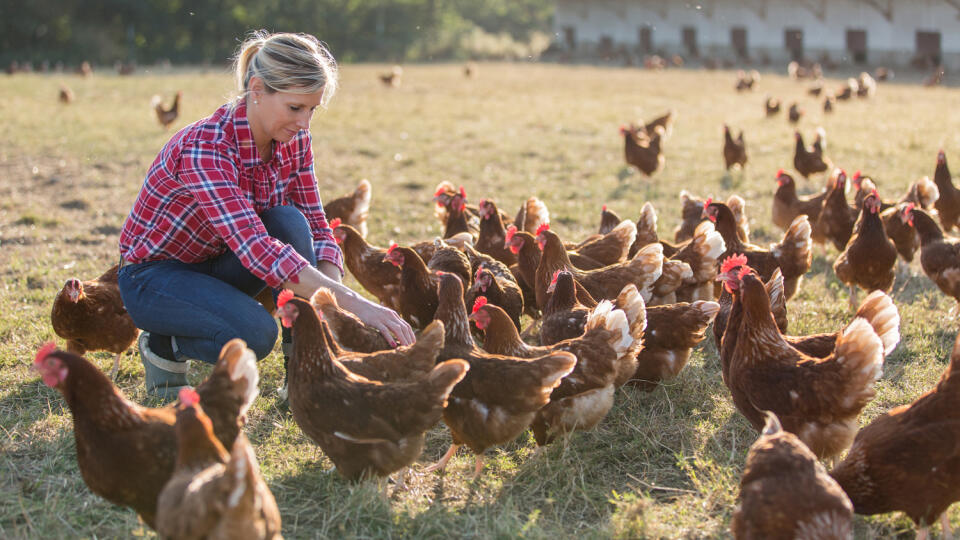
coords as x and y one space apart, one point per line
286 62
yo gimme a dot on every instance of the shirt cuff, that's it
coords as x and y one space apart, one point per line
330 252
287 267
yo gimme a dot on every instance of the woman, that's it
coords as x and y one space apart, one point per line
229 207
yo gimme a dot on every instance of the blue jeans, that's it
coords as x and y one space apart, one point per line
207 304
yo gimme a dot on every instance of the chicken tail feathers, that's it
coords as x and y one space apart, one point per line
446 375
649 263
859 351
241 363
794 252
879 310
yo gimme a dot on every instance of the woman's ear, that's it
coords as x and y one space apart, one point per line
256 87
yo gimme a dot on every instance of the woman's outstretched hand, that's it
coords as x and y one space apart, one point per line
394 329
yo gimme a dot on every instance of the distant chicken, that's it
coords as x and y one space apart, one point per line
869 259
866 85
828 103
786 493
792 255
392 78
532 214
665 121
608 220
794 113
607 347
367 428
948 204
817 399
166 115
91 317
126 453
493 233
746 81
352 209
771 105
908 459
836 220
939 255
848 90
214 493
808 162
734 150
644 154
66 95
501 395
815 89
470 70
787 205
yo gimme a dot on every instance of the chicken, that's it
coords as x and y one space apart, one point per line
606 354
456 216
673 274
66 95
367 428
815 89
771 105
817 399
792 255
91 317
702 254
847 90
609 248
828 104
349 330
939 256
837 218
794 113
405 363
870 258
948 204
673 330
900 230
351 209
786 493
604 283
664 121
492 234
530 216
392 78
213 493
866 85
500 395
166 115
608 220
808 162
646 155
368 265
746 81
564 315
935 78
692 215
734 150
524 246
908 459
500 291
883 73
417 294
787 205
774 287
126 453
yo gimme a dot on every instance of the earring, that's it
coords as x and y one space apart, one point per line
255 102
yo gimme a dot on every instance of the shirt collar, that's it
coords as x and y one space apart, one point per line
249 155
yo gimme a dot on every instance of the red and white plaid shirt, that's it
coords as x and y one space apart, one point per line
206 189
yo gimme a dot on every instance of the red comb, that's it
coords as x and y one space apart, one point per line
910 207
393 246
285 296
440 191
482 203
708 202
556 274
543 227
511 231
189 397
875 194
463 193
732 262
481 301
44 352
604 209
440 272
479 271
779 173
743 271
335 223
856 176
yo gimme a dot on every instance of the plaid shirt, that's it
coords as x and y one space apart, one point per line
206 189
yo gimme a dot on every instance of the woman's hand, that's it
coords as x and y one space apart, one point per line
394 329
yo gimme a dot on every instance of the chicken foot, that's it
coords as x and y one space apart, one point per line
945 531
853 298
442 464
116 367
478 466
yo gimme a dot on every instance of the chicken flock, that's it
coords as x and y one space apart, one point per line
619 310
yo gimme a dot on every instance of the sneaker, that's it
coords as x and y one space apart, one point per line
164 378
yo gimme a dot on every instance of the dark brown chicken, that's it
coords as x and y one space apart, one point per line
673 330
213 493
367 428
771 105
646 155
734 150
351 333
817 399
948 204
351 209
368 265
417 292
405 363
167 115
787 205
608 347
908 459
500 395
808 162
870 258
837 218
91 317
794 113
392 78
786 493
608 220
499 291
565 314
692 215
492 236
939 256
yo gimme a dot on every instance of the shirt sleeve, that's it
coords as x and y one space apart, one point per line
210 176
304 195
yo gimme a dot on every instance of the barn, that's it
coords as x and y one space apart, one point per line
847 32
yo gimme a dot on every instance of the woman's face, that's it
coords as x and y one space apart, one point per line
279 116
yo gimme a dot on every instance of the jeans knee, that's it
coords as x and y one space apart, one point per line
290 226
261 336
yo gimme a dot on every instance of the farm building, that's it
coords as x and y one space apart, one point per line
849 32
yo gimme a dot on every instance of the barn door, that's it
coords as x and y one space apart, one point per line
857 45
793 42
928 46
690 40
570 37
646 39
738 39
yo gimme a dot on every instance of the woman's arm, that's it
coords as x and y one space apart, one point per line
393 328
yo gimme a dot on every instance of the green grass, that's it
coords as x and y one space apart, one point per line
663 464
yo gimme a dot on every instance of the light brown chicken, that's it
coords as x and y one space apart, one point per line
644 154
734 150
948 204
166 115
367 264
939 255
837 218
807 162
787 205
351 209
350 332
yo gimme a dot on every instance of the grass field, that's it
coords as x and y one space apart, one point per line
662 465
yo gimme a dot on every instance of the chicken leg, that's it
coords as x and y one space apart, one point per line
478 466
923 533
442 464
853 298
945 532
